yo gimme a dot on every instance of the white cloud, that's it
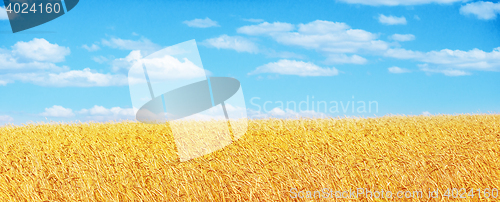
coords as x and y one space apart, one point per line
481 9
201 23
35 55
344 59
400 2
323 27
58 111
100 59
391 20
33 62
292 67
402 37
100 113
144 44
91 48
426 113
40 50
5 118
115 111
9 63
331 37
159 69
73 78
334 39
397 70
445 71
124 64
266 28
474 59
254 20
3 13
96 113
236 43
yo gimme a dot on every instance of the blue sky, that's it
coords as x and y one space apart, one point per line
410 57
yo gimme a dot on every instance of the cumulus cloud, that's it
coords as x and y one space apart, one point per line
399 2
58 112
33 56
143 44
329 37
402 37
236 43
91 48
34 62
3 13
398 70
159 68
481 9
201 23
292 67
336 40
40 50
391 20
266 28
6 118
474 59
426 113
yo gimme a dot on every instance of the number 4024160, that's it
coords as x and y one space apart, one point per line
462 193
34 8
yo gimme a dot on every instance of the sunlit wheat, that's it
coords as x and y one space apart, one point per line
131 161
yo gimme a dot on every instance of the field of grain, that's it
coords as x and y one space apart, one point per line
131 161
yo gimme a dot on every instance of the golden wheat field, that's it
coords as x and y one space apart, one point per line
274 161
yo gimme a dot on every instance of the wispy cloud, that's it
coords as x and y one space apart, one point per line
446 71
391 20
481 9
91 48
237 43
3 13
402 37
474 59
266 28
96 113
254 20
143 44
73 78
293 67
201 23
6 118
344 59
398 70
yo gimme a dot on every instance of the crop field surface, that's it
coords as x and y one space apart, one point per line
274 161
